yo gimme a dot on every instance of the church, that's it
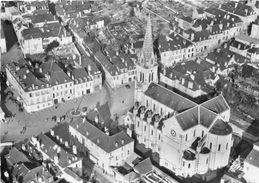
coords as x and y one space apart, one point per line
190 138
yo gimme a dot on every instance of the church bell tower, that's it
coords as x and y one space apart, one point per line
146 65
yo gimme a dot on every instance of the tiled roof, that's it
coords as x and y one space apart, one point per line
237 8
15 156
195 116
72 174
188 119
217 104
172 42
144 167
40 18
191 71
51 149
115 64
221 127
253 158
57 75
26 78
32 33
161 94
28 174
98 137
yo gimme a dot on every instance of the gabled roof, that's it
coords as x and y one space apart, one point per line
40 18
162 95
49 147
28 174
253 158
98 137
15 156
144 167
218 104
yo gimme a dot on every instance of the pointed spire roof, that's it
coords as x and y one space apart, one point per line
147 50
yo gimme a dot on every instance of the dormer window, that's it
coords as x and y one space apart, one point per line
116 144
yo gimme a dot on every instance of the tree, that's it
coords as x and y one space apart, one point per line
247 71
51 46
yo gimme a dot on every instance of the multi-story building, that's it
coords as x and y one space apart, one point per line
68 165
2 41
105 149
35 40
251 165
62 87
191 78
39 20
119 68
190 138
33 93
174 48
244 11
83 83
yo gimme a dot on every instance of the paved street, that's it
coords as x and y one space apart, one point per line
37 122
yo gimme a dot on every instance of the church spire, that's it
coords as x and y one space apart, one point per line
147 52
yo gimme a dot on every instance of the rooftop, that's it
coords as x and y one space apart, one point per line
98 137
161 94
221 127
53 150
15 156
217 104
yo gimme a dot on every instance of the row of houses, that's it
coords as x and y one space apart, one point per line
204 32
40 159
39 86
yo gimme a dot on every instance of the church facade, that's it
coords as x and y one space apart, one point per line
190 138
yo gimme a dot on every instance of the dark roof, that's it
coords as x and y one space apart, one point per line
97 136
218 104
161 94
15 156
144 167
27 174
26 78
221 128
51 149
39 18
32 33
188 119
172 42
253 158
57 75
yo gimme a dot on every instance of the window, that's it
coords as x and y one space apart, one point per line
154 107
138 123
128 152
227 146
70 91
183 163
161 111
210 145
145 128
202 133
66 85
219 147
30 94
159 137
207 161
151 132
189 165
146 102
194 133
186 137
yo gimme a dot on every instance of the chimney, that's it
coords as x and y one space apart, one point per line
220 26
74 149
27 71
66 143
192 36
69 73
83 120
236 4
24 76
89 68
51 132
40 69
96 119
